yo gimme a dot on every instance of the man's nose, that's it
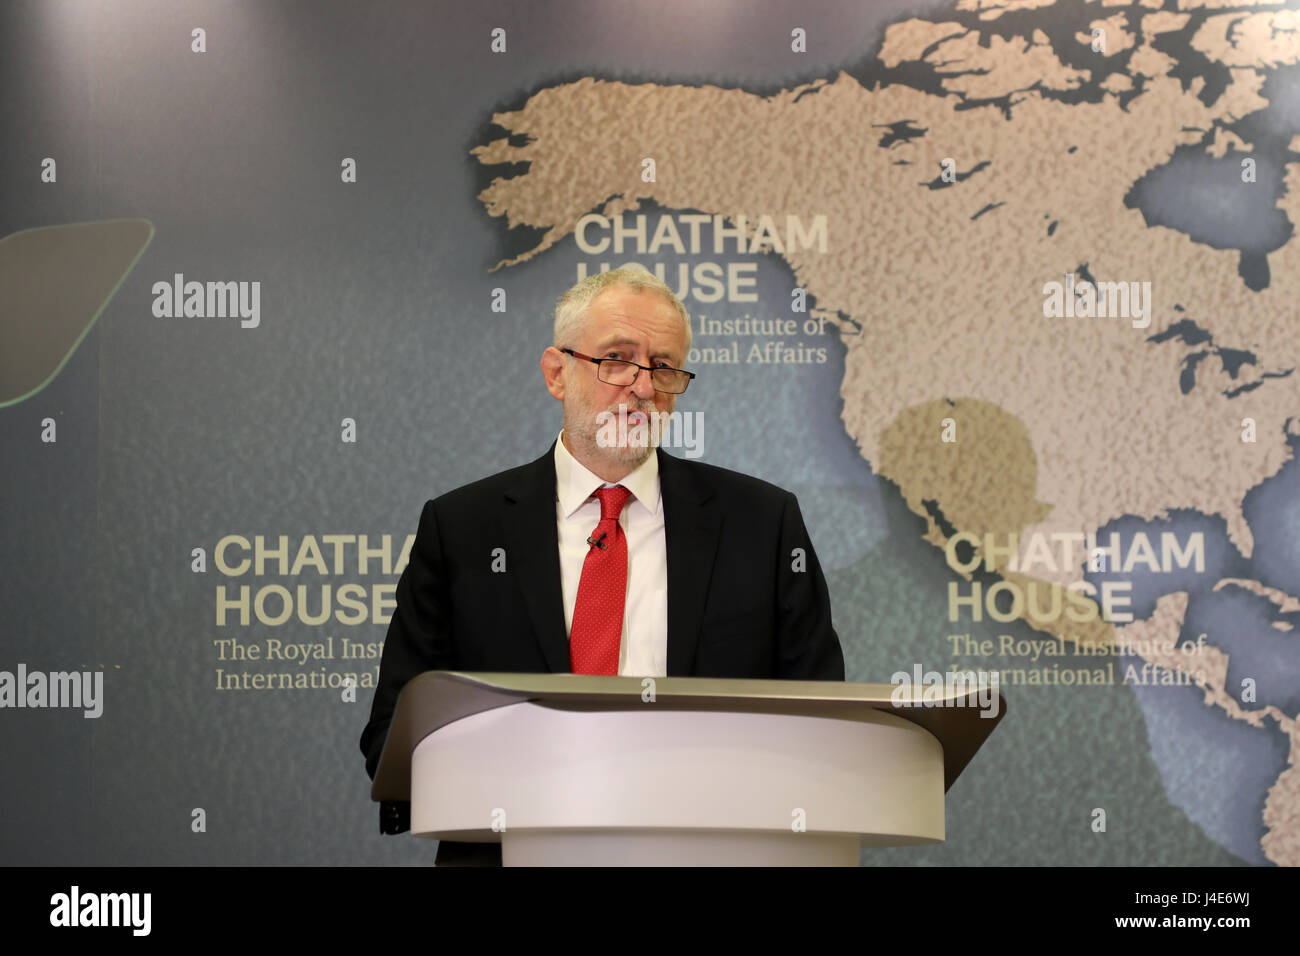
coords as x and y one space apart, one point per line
643 388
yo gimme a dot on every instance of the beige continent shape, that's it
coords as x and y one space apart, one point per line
1208 668
948 307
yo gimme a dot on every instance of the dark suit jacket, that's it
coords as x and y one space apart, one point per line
741 602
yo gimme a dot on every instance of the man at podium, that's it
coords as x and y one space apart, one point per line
607 555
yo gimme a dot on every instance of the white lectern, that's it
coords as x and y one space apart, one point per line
567 769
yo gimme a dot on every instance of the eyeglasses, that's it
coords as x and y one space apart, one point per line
623 374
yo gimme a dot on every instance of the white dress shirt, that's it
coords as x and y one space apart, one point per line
643 650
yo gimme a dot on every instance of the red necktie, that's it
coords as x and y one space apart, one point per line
597 628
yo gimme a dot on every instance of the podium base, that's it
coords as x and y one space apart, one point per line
660 848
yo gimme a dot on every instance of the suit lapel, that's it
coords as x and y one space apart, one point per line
691 539
533 553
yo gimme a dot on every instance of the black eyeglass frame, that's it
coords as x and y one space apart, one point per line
662 368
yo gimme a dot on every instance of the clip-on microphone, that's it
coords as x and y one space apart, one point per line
598 542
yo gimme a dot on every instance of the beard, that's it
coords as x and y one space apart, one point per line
590 428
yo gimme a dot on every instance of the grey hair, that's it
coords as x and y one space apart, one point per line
571 310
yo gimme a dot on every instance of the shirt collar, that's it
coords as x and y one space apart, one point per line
574 484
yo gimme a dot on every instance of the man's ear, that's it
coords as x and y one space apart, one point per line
553 363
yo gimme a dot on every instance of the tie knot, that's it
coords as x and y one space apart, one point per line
612 501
